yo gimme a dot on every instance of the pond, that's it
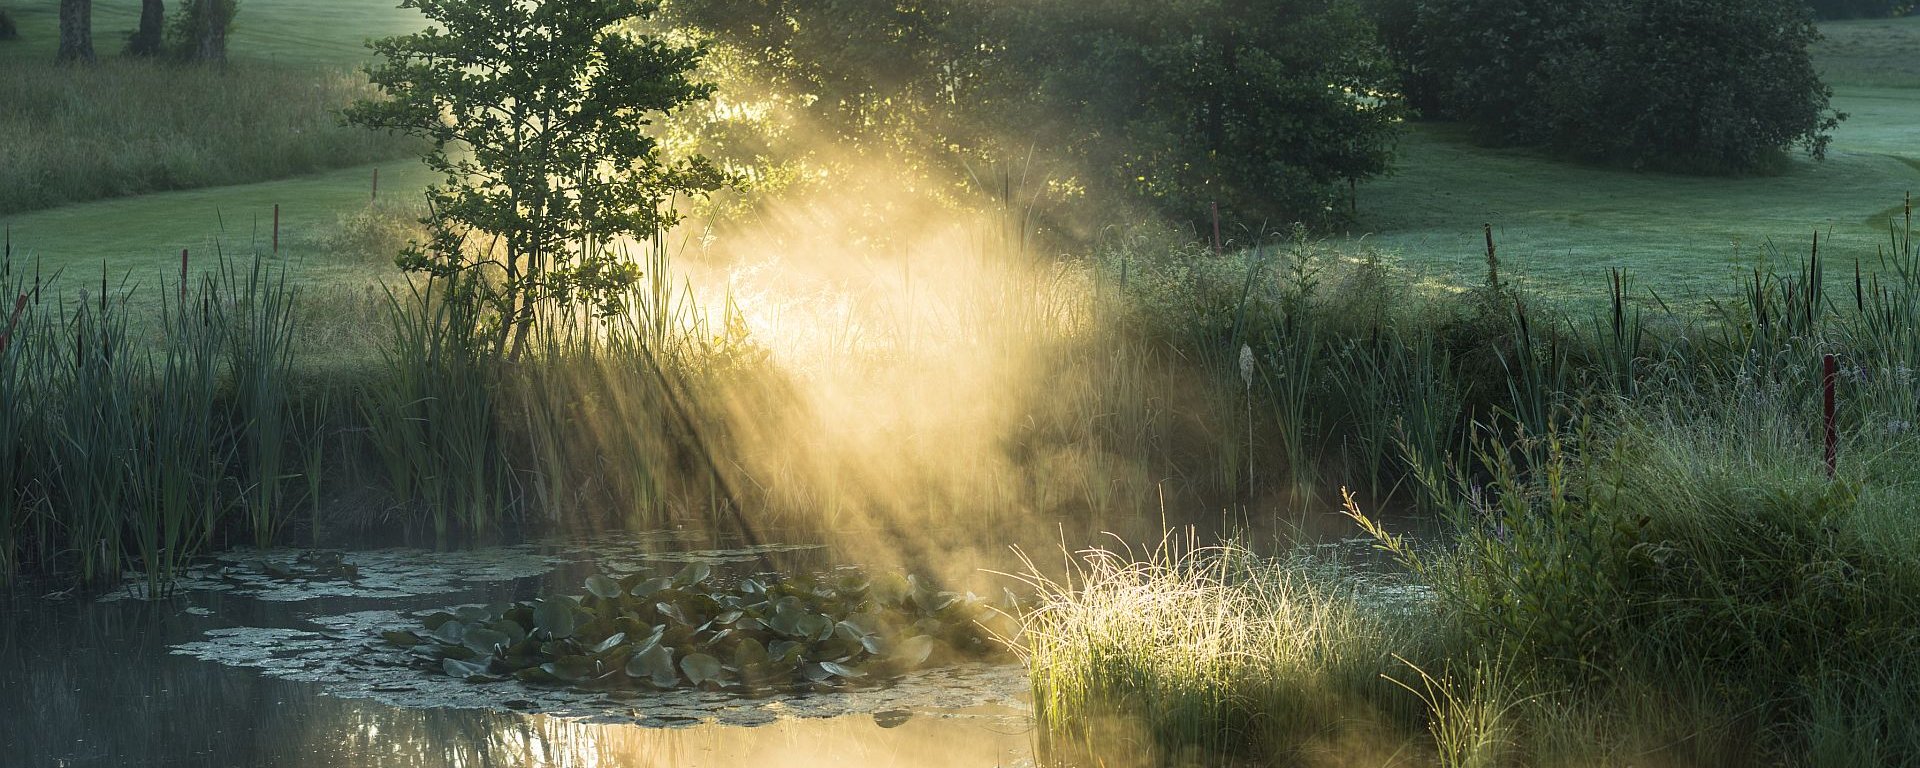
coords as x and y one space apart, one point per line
276 659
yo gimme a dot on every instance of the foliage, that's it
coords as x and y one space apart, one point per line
1214 655
1701 85
538 116
1265 108
801 633
1860 9
199 29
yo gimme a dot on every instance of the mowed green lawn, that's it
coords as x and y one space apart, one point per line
1561 226
139 239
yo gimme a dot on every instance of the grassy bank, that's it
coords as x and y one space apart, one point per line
126 127
1679 590
1645 560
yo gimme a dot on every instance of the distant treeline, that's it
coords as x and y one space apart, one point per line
1860 9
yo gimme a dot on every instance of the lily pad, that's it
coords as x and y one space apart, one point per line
603 587
402 639
554 616
485 642
470 671
654 664
912 652
702 669
450 632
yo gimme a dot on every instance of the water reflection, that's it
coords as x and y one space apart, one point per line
96 683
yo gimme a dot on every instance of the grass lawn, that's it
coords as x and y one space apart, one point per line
330 33
141 237
1560 226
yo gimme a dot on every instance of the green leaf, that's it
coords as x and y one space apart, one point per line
402 639
654 664
554 616
647 588
450 632
608 644
693 574
702 669
485 642
841 669
603 587
470 671
912 652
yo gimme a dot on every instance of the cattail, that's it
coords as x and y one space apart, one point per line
6 337
1246 377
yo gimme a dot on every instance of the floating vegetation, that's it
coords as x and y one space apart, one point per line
844 630
309 565
294 575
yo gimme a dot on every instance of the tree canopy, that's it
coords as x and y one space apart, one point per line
538 116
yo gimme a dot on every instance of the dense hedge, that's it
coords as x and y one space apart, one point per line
1860 9
1692 85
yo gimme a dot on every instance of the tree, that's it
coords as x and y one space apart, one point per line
199 30
537 114
1719 86
76 31
148 38
1266 107
1861 9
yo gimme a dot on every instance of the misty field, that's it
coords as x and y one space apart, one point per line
1314 383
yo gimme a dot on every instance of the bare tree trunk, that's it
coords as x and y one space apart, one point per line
146 40
76 31
213 34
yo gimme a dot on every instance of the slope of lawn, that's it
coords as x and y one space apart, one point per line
123 126
1560 226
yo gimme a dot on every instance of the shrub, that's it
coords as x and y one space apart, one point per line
1695 85
8 30
199 30
1860 9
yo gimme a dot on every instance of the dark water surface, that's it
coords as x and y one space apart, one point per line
249 668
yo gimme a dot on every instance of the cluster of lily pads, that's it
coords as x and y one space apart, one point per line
843 629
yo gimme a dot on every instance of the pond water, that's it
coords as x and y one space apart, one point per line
274 659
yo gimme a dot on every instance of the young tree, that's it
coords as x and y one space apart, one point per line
537 112
76 31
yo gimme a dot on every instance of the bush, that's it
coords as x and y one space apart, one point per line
199 30
1695 85
8 30
1701 553
1860 9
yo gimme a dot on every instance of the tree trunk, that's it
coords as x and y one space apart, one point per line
146 40
76 31
212 46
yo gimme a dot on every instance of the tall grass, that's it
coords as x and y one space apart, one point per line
130 445
1186 655
127 127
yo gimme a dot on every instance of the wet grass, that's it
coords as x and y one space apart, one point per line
1647 559
1563 226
